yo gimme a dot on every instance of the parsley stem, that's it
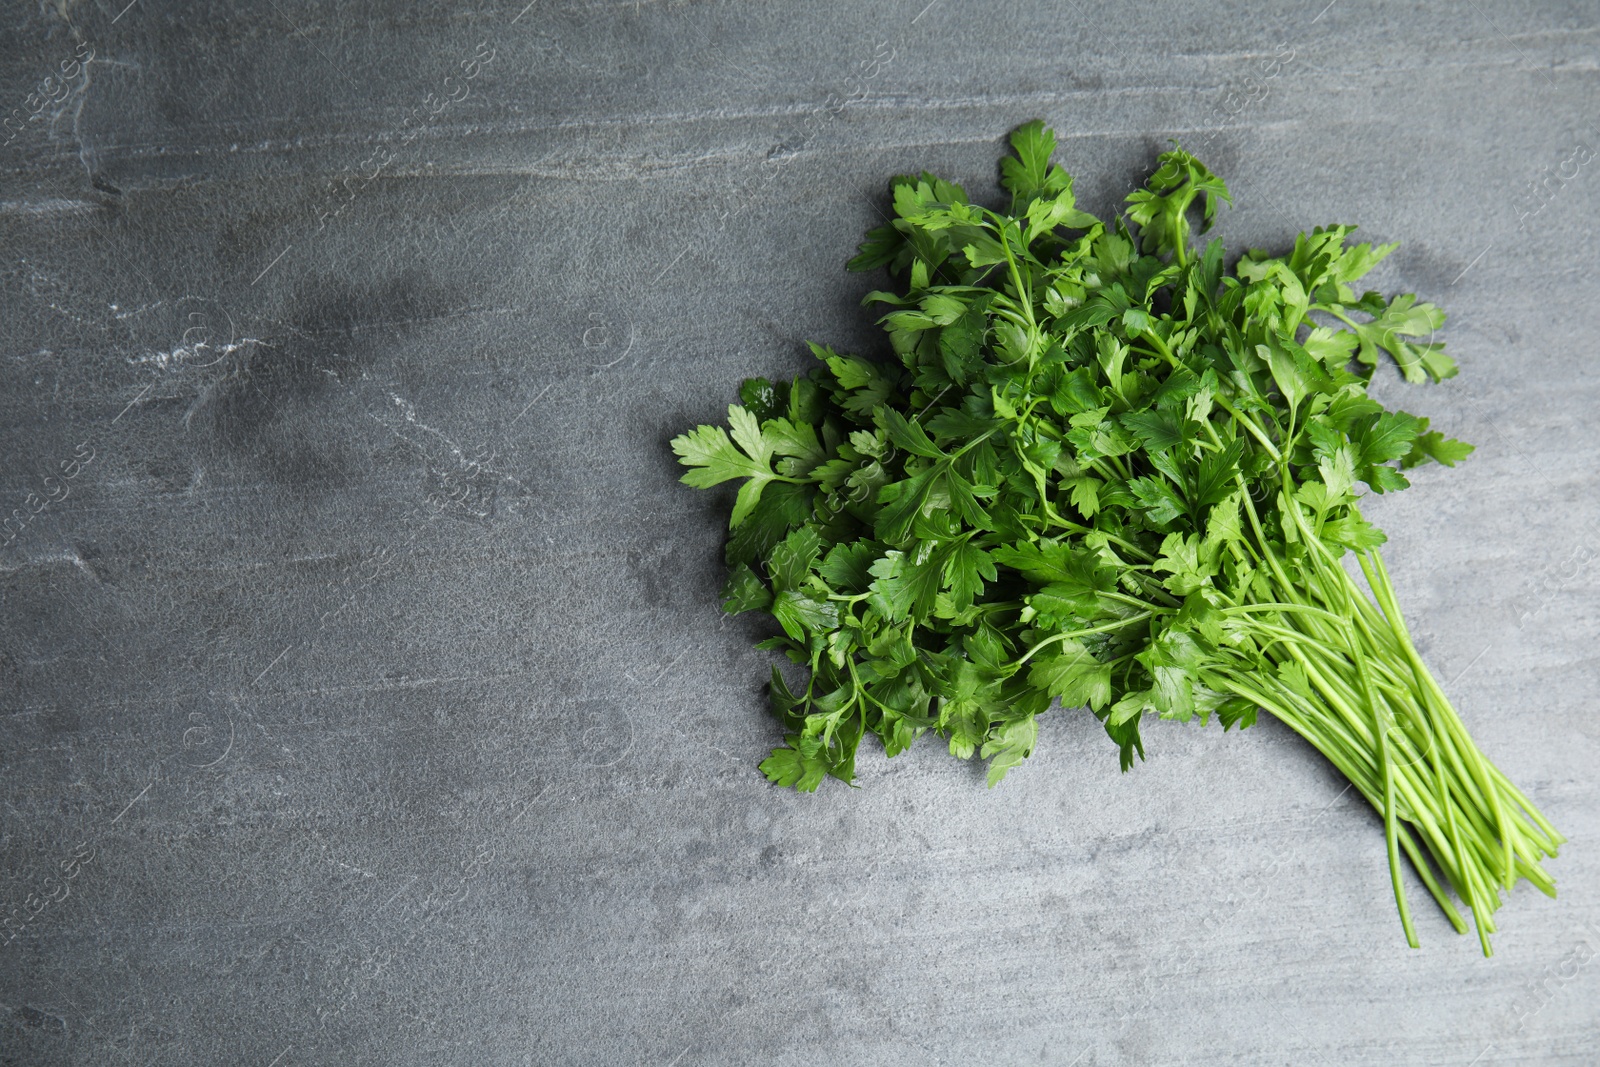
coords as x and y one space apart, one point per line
1024 293
1131 601
1069 635
1250 426
1433 776
1378 578
1390 830
1302 608
1282 709
1068 524
970 445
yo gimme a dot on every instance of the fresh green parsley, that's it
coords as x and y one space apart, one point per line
1107 470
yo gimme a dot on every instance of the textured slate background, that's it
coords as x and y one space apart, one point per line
370 678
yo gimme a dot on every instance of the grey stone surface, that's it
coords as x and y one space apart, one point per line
365 698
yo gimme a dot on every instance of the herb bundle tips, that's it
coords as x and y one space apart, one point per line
1108 471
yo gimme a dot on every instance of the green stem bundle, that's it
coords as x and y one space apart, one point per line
1359 693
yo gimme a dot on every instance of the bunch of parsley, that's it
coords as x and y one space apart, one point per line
1108 471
